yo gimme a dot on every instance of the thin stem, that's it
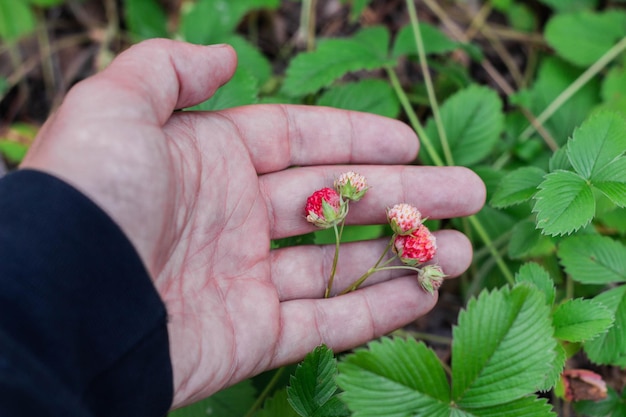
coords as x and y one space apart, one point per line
429 82
356 284
268 388
333 270
410 113
575 86
494 252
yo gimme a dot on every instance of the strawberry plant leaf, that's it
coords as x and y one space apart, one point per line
554 76
570 5
394 378
250 58
530 406
610 347
534 274
611 181
583 48
593 259
369 95
241 90
600 140
277 405
528 241
502 348
233 401
310 71
16 19
145 19
313 384
564 203
210 21
472 130
560 161
435 41
580 320
517 187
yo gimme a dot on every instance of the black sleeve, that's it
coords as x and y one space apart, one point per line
82 328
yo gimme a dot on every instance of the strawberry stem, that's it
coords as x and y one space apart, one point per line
338 234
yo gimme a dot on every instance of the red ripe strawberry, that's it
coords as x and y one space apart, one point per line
416 248
324 208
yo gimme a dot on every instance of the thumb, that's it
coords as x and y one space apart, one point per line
155 77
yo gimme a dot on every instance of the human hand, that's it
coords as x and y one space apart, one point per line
201 194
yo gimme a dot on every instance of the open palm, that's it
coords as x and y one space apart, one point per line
200 195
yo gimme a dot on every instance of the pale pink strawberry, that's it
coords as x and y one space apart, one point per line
416 248
430 277
404 218
351 185
324 208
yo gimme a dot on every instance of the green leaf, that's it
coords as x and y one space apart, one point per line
560 161
502 348
277 406
610 347
241 90
435 41
369 95
564 203
208 21
530 406
517 187
614 90
580 320
234 401
527 241
13 151
310 71
145 19
570 5
584 47
599 141
534 274
16 19
250 58
46 3
554 76
313 385
611 181
394 378
472 130
593 259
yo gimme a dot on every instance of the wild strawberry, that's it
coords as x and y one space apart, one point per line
351 185
416 248
404 219
324 208
430 277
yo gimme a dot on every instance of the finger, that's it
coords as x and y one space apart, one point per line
438 192
349 320
279 136
303 271
151 79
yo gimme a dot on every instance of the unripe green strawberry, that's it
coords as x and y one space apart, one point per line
430 277
351 185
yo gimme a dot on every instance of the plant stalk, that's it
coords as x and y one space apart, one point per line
445 145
